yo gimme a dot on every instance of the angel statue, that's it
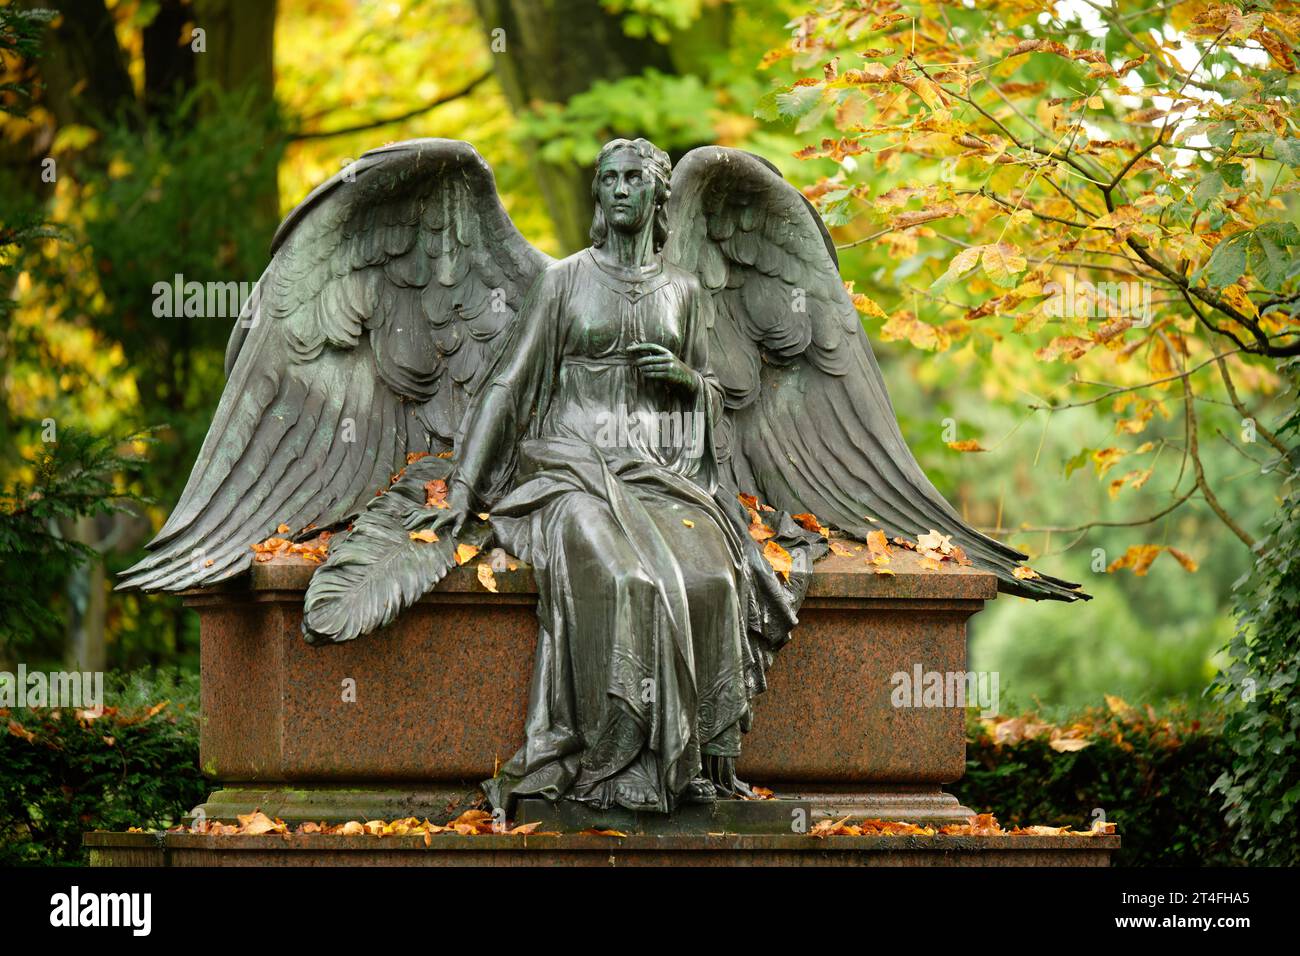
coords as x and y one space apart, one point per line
599 417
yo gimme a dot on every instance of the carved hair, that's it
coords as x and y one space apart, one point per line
660 166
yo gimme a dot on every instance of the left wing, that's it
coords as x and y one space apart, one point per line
811 426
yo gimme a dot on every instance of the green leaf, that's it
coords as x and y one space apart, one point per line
798 102
1207 190
1227 262
1287 150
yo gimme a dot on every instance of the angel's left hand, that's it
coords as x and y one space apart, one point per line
656 362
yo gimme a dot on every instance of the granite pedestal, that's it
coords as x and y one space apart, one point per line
407 721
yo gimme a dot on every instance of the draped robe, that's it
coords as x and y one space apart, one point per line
657 616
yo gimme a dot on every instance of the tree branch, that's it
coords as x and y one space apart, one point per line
388 120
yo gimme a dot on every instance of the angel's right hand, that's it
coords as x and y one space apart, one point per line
452 516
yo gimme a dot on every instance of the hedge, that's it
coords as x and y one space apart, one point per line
63 772
1148 773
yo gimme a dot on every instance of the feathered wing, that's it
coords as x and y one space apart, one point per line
810 425
388 288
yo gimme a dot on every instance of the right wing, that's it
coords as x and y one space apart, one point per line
389 287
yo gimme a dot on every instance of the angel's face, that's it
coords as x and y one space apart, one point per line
626 191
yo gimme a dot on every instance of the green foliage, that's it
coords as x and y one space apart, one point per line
75 476
656 18
1261 686
63 773
1148 774
675 108
20 37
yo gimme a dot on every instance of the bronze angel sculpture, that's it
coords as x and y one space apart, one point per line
402 312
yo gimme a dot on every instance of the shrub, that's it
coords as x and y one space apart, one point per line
1261 686
1149 774
64 772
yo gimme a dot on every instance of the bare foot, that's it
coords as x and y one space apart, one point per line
635 798
700 790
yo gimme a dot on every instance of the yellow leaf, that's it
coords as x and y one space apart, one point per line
1236 296
1117 705
779 558
464 552
1003 262
428 537
1104 459
934 541
967 444
1138 557
486 577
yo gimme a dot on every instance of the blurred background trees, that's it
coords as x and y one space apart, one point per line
166 137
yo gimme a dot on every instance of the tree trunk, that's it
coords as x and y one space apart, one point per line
240 56
553 50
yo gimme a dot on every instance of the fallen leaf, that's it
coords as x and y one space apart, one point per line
465 552
428 537
779 558
807 521
486 577
435 494
934 541
258 823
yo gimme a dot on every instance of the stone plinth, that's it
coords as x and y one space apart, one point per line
183 849
412 717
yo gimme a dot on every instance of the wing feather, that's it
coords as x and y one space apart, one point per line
811 426
338 365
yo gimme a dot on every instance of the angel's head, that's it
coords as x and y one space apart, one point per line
630 189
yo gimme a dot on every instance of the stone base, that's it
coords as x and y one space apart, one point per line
793 805
182 849
339 804
791 811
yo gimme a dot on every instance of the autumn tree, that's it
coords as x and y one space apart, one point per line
1097 203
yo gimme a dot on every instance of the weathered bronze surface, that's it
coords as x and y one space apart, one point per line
606 410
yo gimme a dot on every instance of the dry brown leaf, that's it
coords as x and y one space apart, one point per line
808 521
435 494
877 543
934 541
258 823
779 558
